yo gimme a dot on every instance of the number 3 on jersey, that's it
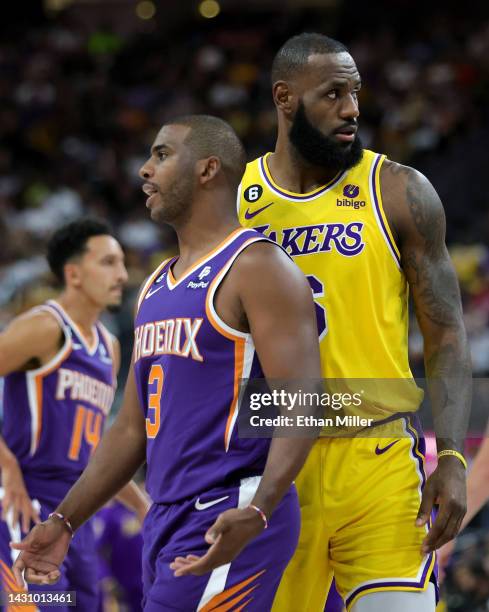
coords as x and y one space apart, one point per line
318 291
153 419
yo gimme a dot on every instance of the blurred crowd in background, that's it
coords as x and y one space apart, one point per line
81 102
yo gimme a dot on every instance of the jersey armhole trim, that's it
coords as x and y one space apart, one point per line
214 319
109 341
68 321
62 353
376 197
35 377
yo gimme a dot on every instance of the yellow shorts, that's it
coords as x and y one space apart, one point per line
359 501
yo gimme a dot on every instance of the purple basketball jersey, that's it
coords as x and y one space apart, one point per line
54 415
188 367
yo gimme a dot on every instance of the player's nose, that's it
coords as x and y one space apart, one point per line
123 275
349 109
146 170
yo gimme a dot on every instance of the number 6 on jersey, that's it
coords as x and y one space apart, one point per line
317 288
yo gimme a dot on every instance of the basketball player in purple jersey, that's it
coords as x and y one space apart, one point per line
199 319
60 365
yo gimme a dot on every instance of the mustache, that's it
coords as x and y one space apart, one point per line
349 125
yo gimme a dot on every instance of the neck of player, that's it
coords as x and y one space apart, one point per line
292 172
210 222
81 309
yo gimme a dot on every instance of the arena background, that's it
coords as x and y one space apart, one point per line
84 86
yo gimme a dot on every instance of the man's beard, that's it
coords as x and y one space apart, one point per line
176 202
321 150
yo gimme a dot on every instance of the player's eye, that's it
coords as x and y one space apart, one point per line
332 94
162 155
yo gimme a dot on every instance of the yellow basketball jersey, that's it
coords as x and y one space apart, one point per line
339 236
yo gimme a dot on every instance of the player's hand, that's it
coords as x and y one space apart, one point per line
16 502
447 488
231 532
42 552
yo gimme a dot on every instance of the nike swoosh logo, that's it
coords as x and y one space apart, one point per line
250 215
381 451
203 506
150 293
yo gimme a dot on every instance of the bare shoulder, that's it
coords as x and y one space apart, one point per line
410 202
264 259
39 324
33 335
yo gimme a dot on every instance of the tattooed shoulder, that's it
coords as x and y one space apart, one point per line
412 205
426 212
424 255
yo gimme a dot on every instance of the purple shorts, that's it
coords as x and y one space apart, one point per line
250 581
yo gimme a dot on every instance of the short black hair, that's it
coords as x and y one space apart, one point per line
70 241
293 55
213 136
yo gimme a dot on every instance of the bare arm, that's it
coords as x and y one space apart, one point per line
33 336
130 495
135 499
416 212
277 301
29 341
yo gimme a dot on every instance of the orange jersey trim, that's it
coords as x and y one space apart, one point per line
238 374
38 380
171 279
238 337
10 586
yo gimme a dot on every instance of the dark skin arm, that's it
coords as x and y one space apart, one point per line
266 294
417 219
131 496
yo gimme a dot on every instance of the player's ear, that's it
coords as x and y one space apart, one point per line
72 275
283 98
208 168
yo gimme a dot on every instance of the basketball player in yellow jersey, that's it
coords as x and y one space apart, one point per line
363 229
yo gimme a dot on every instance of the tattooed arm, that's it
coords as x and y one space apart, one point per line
416 216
